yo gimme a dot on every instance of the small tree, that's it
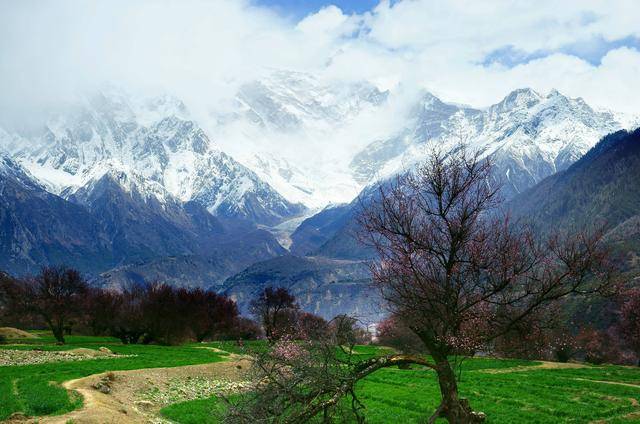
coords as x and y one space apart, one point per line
311 327
275 309
346 331
56 295
8 296
244 329
101 310
127 323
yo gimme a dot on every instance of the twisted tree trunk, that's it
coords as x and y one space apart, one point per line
453 408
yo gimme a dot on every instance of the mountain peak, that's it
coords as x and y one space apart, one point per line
521 97
429 101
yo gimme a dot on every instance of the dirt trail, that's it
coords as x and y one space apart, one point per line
615 383
126 401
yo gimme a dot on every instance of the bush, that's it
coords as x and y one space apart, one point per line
599 347
392 333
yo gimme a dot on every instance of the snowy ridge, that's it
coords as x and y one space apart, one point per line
284 143
151 146
291 101
11 170
528 135
286 128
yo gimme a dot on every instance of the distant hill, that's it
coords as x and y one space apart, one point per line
324 286
600 189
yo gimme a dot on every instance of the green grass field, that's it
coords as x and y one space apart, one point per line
35 390
503 389
531 396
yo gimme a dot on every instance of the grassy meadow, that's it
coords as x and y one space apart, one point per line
528 395
508 391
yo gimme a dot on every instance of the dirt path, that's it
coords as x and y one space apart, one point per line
615 383
137 396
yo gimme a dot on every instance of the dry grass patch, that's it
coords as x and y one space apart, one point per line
15 333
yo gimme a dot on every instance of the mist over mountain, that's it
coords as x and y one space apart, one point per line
132 188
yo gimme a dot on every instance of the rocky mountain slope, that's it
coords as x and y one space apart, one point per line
37 227
151 142
112 223
528 137
600 189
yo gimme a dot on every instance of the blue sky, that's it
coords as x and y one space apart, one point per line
591 50
301 8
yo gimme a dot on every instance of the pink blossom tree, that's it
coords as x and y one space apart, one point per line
458 272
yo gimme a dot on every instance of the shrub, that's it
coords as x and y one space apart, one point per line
391 332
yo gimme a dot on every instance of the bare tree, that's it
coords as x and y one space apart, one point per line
56 295
303 379
275 309
458 273
127 322
207 314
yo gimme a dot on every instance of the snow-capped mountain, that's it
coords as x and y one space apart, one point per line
294 101
529 136
111 227
38 228
287 126
151 144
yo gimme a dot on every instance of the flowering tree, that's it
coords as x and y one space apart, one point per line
298 380
458 273
454 273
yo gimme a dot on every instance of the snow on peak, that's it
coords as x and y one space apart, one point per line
147 145
520 98
529 136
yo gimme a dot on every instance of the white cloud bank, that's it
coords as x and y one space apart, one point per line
201 50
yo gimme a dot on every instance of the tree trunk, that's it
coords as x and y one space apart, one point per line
58 333
454 409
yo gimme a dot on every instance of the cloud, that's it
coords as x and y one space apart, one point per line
467 51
